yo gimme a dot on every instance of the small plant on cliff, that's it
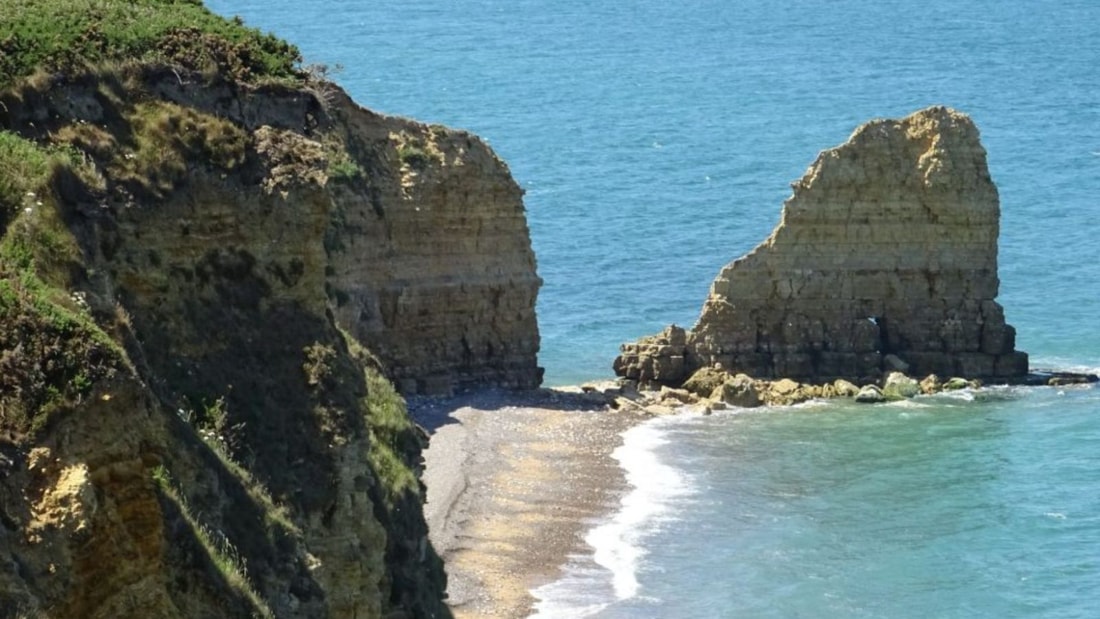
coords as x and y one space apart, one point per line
219 550
211 424
413 155
390 427
344 169
318 364
392 432
341 165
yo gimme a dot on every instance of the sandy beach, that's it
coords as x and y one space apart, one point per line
514 482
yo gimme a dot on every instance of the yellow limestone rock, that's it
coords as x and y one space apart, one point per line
888 246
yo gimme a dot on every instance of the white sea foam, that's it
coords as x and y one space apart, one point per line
610 574
908 403
1064 364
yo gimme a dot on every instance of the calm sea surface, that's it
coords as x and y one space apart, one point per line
656 141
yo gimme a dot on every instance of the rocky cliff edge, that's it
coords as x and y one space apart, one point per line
206 281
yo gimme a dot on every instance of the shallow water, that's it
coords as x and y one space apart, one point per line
938 507
656 142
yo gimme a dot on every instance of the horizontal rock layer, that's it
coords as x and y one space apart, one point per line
430 263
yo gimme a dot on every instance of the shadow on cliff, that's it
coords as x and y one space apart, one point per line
434 412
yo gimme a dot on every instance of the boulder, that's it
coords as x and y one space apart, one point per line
668 395
931 384
608 389
785 387
955 383
898 386
870 394
738 391
659 410
654 360
785 392
845 389
705 380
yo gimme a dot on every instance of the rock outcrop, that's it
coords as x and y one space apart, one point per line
201 286
430 262
887 247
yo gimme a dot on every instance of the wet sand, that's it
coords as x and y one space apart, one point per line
514 483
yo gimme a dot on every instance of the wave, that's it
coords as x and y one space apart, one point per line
1064 364
592 583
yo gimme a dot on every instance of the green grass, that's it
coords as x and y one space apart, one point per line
389 424
26 171
210 425
390 427
222 554
167 139
341 167
413 155
51 350
67 35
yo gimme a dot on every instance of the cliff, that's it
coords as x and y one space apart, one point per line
209 265
888 246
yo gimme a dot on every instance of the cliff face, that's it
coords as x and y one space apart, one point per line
430 261
888 245
196 306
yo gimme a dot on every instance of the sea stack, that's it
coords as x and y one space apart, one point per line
885 255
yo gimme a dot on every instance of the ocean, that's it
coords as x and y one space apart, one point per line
656 142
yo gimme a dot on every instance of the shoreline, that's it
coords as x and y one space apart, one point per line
515 481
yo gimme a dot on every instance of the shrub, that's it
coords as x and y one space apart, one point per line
27 168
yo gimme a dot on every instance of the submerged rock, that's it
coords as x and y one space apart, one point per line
955 383
870 394
885 257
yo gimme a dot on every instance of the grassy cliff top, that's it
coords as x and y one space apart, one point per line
67 35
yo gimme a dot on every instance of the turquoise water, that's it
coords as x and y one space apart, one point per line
976 505
656 142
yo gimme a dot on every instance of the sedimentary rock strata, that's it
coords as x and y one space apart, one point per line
196 310
888 246
430 263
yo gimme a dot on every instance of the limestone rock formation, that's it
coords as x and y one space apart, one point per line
887 247
200 290
430 262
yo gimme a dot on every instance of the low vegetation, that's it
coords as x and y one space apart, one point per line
51 351
27 170
220 552
68 35
391 429
167 139
211 425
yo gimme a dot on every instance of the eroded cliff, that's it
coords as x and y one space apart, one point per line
205 278
888 245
